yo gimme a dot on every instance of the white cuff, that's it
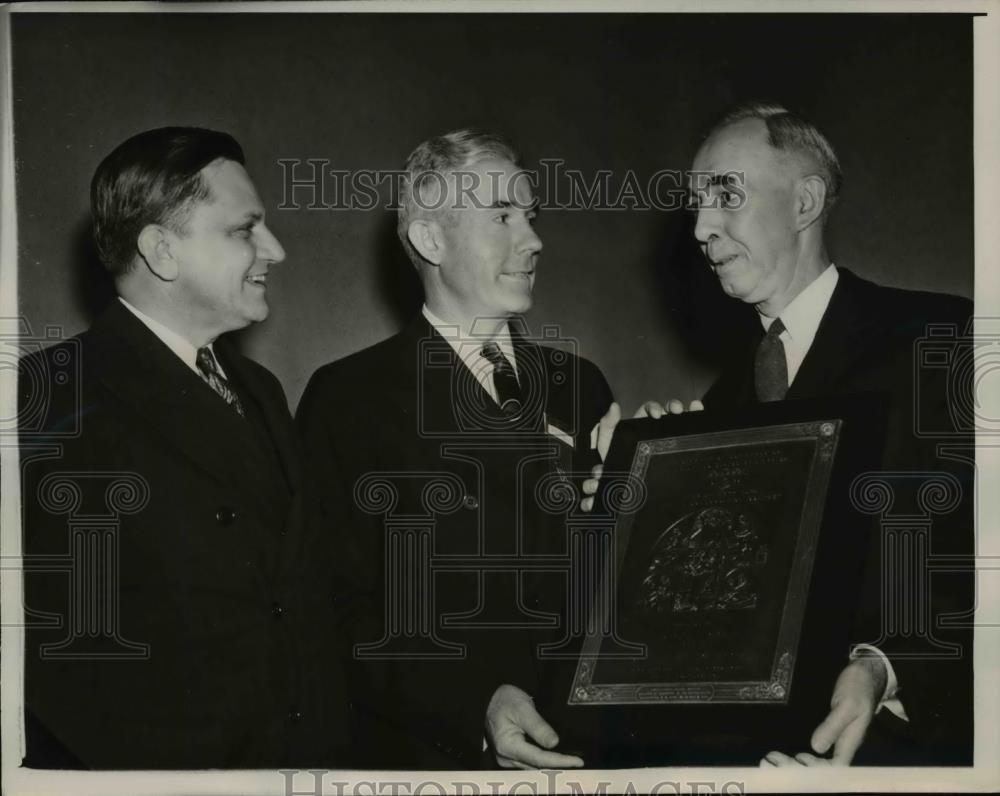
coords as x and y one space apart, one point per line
889 699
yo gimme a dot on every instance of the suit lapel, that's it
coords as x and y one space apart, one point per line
844 335
433 385
276 417
178 406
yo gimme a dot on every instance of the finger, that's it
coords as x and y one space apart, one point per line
696 406
530 721
505 762
650 409
590 486
850 740
597 471
525 755
827 733
780 760
676 407
606 429
587 504
807 759
765 763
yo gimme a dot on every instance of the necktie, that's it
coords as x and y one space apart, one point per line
770 367
209 368
504 380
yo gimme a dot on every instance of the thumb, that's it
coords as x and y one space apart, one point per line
537 728
606 429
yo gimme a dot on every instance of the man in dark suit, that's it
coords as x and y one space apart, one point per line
765 181
440 441
174 577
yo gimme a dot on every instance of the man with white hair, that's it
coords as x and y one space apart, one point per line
765 180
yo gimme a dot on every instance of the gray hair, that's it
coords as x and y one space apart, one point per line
432 161
788 132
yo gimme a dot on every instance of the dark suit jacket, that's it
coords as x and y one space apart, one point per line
410 412
214 565
868 342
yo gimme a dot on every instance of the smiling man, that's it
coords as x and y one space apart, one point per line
460 417
211 581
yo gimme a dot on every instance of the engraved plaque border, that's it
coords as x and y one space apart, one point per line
825 435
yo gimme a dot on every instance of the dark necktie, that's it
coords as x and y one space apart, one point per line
209 368
770 368
504 380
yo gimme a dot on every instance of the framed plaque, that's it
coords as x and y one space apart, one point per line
726 597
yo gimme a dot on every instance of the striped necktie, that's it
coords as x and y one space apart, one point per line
504 380
209 369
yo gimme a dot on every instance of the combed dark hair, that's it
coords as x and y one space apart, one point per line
437 157
789 132
152 178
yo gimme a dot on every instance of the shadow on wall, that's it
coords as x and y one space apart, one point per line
93 286
711 325
397 282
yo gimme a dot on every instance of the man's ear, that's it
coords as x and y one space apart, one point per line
810 200
425 236
154 247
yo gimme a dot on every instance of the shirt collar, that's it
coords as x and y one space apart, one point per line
468 350
803 314
175 342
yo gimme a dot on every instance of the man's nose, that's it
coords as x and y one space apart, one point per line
706 223
268 247
530 242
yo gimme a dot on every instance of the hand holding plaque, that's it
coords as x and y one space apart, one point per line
727 592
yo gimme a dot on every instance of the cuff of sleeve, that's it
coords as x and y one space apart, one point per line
889 699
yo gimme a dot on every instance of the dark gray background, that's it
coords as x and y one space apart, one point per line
893 93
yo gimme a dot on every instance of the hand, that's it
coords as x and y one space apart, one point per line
855 697
606 429
512 723
779 760
656 410
605 432
590 487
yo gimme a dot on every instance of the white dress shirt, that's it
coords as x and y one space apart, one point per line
469 349
183 349
801 318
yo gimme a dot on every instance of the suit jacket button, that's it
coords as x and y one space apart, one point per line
470 502
294 715
277 610
225 515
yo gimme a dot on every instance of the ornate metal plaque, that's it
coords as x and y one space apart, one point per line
712 569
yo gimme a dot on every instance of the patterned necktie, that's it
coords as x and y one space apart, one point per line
770 368
209 368
504 380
